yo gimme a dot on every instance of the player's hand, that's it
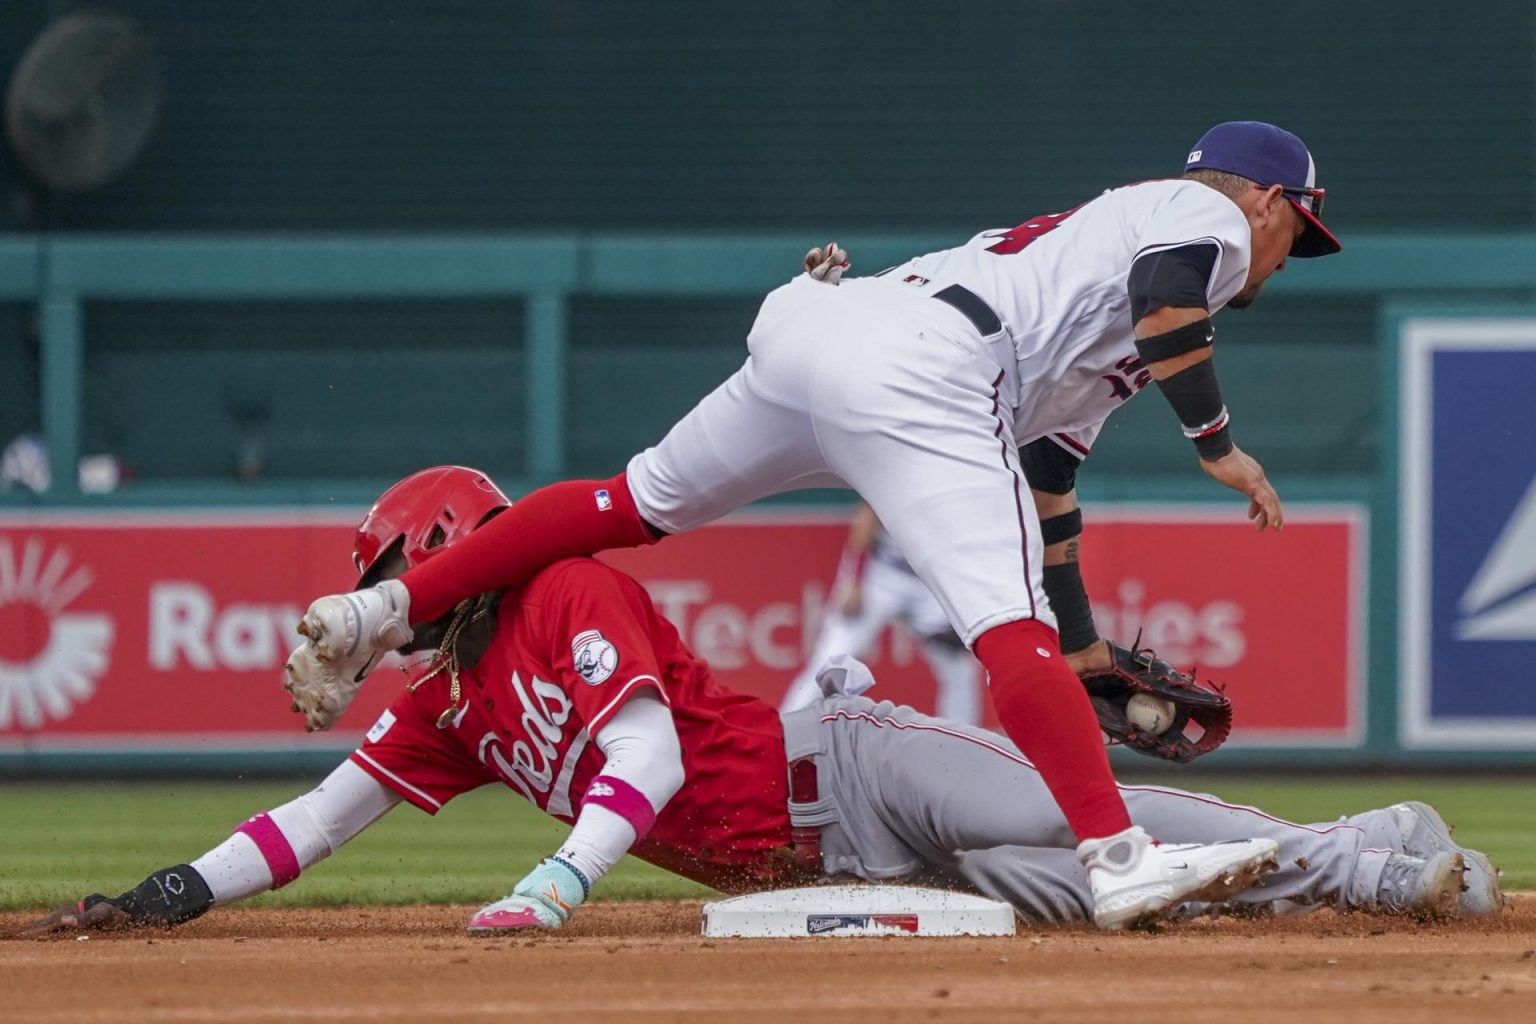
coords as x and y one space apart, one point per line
345 635
1091 659
827 265
1241 472
546 898
92 914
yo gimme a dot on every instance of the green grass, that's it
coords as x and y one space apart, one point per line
59 841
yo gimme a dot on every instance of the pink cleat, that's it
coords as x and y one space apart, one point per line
511 914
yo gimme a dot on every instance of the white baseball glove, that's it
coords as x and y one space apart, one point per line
827 266
345 636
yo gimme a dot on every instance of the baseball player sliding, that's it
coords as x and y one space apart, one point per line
573 691
875 587
956 394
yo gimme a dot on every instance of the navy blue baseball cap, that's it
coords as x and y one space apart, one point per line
1267 155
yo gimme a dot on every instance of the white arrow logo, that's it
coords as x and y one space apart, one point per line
1500 602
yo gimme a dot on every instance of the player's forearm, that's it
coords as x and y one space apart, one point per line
1175 345
270 850
861 529
643 771
1061 522
266 852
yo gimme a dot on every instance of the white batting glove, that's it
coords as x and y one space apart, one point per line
843 675
827 266
345 636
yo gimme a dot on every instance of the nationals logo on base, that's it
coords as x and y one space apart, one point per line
832 924
50 659
596 658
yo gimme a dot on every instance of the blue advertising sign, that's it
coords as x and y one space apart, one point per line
1467 580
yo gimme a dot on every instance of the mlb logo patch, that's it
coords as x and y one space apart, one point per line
604 500
381 727
1467 572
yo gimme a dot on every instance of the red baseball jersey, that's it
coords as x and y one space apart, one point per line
571 646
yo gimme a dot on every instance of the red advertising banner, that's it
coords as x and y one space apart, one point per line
168 631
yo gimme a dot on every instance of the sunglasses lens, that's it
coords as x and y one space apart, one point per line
1310 199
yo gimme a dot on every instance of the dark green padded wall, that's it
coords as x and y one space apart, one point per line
802 116
574 113
347 390
18 371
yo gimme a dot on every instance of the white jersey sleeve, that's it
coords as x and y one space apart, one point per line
1198 215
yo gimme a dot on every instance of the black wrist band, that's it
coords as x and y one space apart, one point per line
1214 445
167 897
1056 529
1069 600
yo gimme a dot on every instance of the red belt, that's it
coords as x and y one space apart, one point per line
806 839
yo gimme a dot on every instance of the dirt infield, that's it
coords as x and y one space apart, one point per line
645 962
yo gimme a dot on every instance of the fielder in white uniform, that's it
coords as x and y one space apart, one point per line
875 587
954 393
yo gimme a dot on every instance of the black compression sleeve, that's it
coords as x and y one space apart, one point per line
1196 399
1048 467
1172 277
1069 600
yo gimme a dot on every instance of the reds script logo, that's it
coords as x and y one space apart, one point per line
50 659
531 767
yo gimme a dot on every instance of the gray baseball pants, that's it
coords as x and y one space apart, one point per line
905 796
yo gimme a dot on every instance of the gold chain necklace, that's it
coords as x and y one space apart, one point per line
447 658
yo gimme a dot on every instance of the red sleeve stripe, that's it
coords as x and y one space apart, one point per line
600 719
622 799
1068 441
396 783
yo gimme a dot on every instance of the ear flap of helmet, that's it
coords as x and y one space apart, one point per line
423 514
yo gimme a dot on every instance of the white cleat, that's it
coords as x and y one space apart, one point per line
345 635
352 628
1136 880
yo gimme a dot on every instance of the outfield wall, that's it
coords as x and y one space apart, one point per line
1409 638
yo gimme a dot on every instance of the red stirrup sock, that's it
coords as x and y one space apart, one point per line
1046 711
564 520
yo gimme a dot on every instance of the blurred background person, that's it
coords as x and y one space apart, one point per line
875 588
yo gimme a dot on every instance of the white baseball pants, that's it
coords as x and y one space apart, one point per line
875 386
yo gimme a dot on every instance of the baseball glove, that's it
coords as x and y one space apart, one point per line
1202 715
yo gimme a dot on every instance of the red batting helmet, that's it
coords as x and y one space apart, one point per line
424 513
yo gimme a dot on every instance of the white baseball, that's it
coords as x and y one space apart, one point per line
1149 714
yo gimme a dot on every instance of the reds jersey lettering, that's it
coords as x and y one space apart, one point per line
534 706
531 769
